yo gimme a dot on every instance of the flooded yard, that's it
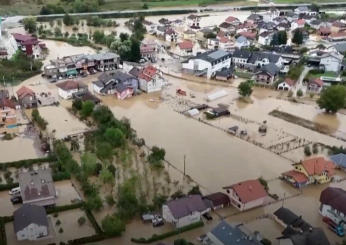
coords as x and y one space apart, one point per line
25 146
66 192
7 208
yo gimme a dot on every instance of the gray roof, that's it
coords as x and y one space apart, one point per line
254 17
255 56
291 14
213 55
286 215
121 76
339 159
4 93
135 71
340 47
162 28
241 39
29 214
229 235
303 8
186 205
224 73
206 30
314 236
240 53
120 87
315 22
271 68
36 185
103 56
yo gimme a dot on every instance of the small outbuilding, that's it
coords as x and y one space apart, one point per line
200 107
192 112
263 129
233 130
216 95
220 111
218 200
224 75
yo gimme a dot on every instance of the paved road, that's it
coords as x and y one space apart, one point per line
299 84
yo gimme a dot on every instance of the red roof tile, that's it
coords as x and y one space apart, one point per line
300 22
24 91
247 34
297 176
324 30
30 42
249 190
338 34
8 103
318 165
220 34
317 81
231 19
70 85
185 45
289 81
23 37
224 40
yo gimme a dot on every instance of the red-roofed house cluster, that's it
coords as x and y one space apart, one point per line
150 78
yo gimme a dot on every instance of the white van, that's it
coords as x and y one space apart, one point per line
14 191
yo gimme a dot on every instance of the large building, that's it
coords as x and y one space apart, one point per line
208 63
8 45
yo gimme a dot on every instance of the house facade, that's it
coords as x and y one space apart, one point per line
314 85
148 48
68 88
247 194
208 63
242 42
184 48
30 222
331 62
287 84
332 202
314 170
150 78
8 111
265 38
271 14
184 211
193 20
304 10
232 20
26 97
189 35
267 74
297 24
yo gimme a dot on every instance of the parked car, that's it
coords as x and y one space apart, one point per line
201 238
14 191
16 199
207 216
158 223
156 218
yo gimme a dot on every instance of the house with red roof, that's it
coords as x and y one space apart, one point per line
232 20
150 78
26 97
315 170
247 194
297 24
8 110
314 85
226 44
184 48
287 84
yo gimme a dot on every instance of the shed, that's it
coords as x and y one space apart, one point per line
200 107
233 130
216 95
192 112
218 199
220 111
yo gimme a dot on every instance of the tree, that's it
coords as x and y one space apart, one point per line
115 137
180 241
275 40
88 163
195 191
102 114
123 36
30 25
109 199
104 151
307 151
244 89
58 222
77 103
282 37
135 52
81 221
59 22
297 37
106 176
94 203
112 226
66 34
299 93
68 20
51 23
112 169
332 98
57 31
265 241
98 36
145 6
87 108
210 35
157 154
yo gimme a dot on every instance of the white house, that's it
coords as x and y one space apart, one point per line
171 35
193 20
232 20
287 84
184 48
247 194
8 45
265 38
207 63
213 43
226 44
30 222
271 14
184 211
331 62
333 206
149 26
297 24
317 24
150 78
304 10
68 88
242 42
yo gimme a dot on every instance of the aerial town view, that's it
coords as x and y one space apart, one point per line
216 123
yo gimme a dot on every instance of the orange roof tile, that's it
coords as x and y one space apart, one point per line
8 103
289 81
248 190
185 45
24 90
297 176
318 165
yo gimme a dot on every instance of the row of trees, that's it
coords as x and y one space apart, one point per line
78 6
38 120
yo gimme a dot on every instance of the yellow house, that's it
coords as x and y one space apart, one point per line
316 170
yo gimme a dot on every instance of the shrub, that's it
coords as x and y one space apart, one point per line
9 186
156 238
290 93
315 148
265 241
28 162
58 209
307 151
55 215
61 230
58 222
300 93
61 176
81 221
62 243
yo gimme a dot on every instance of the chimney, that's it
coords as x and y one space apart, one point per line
250 188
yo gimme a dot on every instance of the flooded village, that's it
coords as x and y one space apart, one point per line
97 149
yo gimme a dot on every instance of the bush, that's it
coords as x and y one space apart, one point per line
89 239
55 214
10 186
81 221
156 238
315 148
58 222
307 151
61 176
58 209
61 230
28 162
265 241
290 93
93 222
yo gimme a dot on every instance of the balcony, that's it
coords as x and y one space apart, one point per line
200 72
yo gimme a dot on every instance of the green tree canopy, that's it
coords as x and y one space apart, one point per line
87 108
106 176
88 163
332 98
112 226
104 151
30 25
297 37
282 37
244 89
94 203
115 137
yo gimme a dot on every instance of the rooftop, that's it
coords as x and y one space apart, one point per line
185 45
339 159
318 165
29 214
218 198
71 85
248 190
334 197
185 205
213 55
7 102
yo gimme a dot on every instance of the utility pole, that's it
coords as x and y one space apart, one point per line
184 164
283 200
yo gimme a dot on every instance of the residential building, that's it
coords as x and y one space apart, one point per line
178 23
161 31
287 84
227 27
164 22
317 24
150 78
31 46
297 231
226 44
148 48
254 18
86 96
149 26
8 45
200 34
8 110
26 98
37 187
304 10
330 22
338 27
247 194
226 234
308 18
291 16
331 62
280 19
315 170
323 31
267 27
184 211
332 205
240 58
252 60
221 34
242 42
271 14
184 48
265 38
232 20
297 24
283 26
267 74
68 88
206 64
248 35
30 222
193 21
314 85
305 33
189 35
339 47
337 37
339 160
171 35
218 199
224 75
107 84
213 43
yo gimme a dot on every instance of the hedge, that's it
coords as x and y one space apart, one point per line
67 207
28 162
6 187
156 238
93 221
